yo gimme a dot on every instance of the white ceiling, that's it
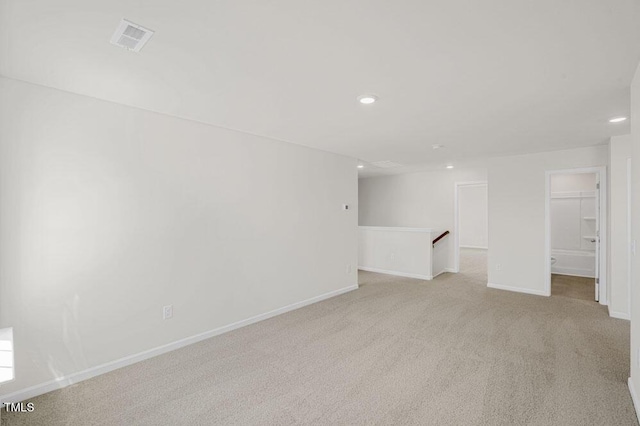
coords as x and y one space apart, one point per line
482 78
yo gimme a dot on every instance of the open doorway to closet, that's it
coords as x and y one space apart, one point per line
575 214
471 235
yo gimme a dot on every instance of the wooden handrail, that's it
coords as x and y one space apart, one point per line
441 236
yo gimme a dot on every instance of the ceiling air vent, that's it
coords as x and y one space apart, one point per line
386 164
131 36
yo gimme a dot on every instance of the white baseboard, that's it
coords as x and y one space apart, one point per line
517 289
475 247
619 315
634 397
451 270
573 272
397 273
439 273
65 381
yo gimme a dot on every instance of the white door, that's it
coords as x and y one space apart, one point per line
597 238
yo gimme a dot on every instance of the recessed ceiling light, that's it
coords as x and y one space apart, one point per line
367 99
437 146
617 119
360 166
449 166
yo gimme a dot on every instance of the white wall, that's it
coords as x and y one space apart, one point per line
619 153
107 213
472 216
414 200
517 214
634 383
573 182
405 252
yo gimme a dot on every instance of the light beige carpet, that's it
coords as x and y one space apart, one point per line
395 352
574 287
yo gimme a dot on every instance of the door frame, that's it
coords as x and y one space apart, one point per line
601 171
456 219
631 249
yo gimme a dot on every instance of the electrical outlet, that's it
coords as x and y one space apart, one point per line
167 312
498 266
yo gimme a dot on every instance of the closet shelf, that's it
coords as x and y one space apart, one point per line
589 218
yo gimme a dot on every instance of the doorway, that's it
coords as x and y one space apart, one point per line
574 251
471 235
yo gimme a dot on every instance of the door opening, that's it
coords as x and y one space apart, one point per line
575 211
471 233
